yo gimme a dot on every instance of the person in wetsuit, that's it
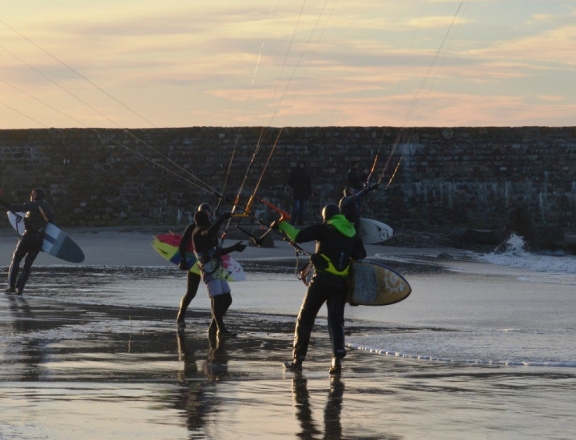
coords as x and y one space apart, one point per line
209 255
336 245
38 215
350 204
193 279
356 178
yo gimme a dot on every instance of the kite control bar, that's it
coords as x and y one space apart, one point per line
284 216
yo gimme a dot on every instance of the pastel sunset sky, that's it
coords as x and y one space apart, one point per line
182 63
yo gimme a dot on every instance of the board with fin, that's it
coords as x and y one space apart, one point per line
167 246
372 283
56 242
373 231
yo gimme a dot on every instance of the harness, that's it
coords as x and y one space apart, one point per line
330 268
206 257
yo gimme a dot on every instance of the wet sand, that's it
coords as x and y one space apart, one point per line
81 371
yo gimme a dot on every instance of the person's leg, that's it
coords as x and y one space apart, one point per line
17 256
302 212
225 301
32 244
214 287
311 305
193 282
295 210
220 305
216 309
336 305
313 301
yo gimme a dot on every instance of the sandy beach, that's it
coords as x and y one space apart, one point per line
92 371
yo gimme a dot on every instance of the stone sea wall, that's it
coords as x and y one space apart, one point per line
444 176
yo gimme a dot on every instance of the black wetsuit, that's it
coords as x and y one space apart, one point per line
38 215
350 205
326 286
356 179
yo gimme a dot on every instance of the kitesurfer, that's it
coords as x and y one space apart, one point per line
336 245
193 279
301 183
209 255
356 178
350 204
38 215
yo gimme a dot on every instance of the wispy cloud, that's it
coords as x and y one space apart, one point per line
369 62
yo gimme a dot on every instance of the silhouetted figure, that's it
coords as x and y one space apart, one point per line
301 183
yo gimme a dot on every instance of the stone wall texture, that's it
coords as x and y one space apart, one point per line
445 177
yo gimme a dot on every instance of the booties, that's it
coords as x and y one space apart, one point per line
295 366
336 367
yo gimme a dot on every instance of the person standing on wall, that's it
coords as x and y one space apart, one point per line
38 215
193 278
301 183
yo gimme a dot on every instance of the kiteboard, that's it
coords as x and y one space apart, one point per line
167 246
56 242
373 231
374 284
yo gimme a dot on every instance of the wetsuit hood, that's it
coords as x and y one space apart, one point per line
40 194
201 218
341 223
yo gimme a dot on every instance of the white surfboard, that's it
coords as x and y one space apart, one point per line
373 231
55 243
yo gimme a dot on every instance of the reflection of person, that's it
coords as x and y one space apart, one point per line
31 353
194 400
332 410
216 367
356 178
350 204
303 410
186 355
301 183
193 279
209 255
336 244
38 215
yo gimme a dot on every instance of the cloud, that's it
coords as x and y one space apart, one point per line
365 62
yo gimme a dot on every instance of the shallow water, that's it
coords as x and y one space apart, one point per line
478 350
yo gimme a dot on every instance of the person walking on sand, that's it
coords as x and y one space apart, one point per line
38 215
301 183
356 178
193 278
209 255
336 245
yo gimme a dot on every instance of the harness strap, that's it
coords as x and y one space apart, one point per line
332 269
46 219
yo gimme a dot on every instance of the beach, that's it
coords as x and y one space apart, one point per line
91 351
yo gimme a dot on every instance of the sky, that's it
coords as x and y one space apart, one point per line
280 63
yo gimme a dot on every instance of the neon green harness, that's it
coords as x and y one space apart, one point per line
332 269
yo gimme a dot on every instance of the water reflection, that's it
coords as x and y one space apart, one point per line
332 410
216 367
26 351
198 397
194 399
